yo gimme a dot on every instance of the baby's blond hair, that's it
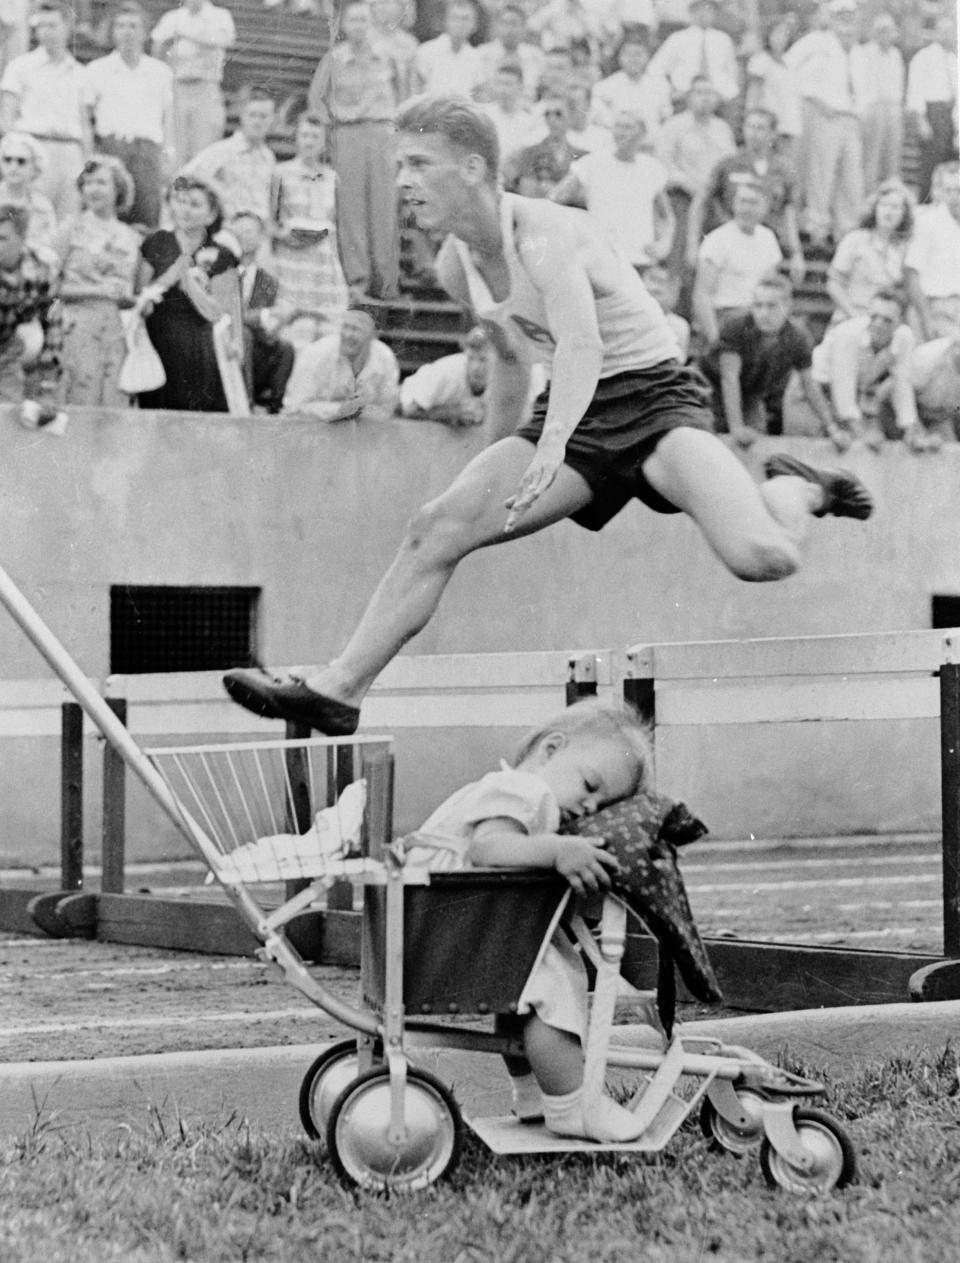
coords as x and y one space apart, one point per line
616 721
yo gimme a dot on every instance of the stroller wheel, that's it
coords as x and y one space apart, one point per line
322 1084
834 1161
728 1136
359 1143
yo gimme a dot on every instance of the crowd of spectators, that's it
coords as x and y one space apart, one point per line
727 145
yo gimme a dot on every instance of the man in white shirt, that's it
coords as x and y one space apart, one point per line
932 99
627 192
878 84
241 167
346 376
510 45
130 99
450 63
633 89
932 263
518 125
732 260
193 40
582 133
700 50
831 151
42 93
450 389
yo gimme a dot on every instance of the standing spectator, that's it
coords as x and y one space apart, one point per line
751 366
130 98
932 99
518 124
699 51
99 257
580 130
42 93
757 162
932 264
307 264
390 29
537 170
347 376
175 273
29 292
21 162
731 262
632 88
240 168
871 258
832 156
510 27
878 86
564 23
450 63
772 85
627 191
865 363
357 88
268 360
194 40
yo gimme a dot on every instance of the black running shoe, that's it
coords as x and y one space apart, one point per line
844 493
271 698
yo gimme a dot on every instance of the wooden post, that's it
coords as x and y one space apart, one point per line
340 894
71 796
638 686
113 835
297 769
582 678
950 796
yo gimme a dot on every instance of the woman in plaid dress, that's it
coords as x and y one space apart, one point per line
306 262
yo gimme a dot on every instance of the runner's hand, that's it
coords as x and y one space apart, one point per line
541 472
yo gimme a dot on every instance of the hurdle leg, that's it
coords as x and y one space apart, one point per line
950 793
71 797
113 835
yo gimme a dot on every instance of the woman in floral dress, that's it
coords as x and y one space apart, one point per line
305 258
99 257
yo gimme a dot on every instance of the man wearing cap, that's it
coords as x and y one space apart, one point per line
831 151
700 50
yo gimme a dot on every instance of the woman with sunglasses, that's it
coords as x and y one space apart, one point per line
99 257
22 161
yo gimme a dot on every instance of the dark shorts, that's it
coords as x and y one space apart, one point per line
627 417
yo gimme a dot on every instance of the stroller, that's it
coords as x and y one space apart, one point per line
278 821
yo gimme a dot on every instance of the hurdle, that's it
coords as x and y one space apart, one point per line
809 679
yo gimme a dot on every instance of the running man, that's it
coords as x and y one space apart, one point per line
622 419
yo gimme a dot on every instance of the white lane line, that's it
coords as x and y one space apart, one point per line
830 882
878 905
801 938
168 1022
854 840
901 861
135 971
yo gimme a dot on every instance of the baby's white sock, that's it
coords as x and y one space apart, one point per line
527 1098
610 1123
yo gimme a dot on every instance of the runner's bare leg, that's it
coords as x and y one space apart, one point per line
469 515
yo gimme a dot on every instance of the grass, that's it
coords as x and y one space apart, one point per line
227 1194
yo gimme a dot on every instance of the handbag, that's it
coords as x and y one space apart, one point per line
142 369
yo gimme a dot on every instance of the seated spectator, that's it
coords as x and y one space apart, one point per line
756 162
632 89
176 271
871 257
700 50
935 377
557 74
932 263
772 85
452 388
627 191
580 131
878 81
563 23
304 205
346 376
29 301
240 168
865 364
518 124
750 367
732 261
665 288
130 99
99 257
450 63
537 170
21 162
510 44
268 360
193 40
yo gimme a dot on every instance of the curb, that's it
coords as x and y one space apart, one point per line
262 1084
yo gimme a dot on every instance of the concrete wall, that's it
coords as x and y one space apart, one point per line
312 514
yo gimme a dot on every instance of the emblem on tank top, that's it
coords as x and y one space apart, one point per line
535 332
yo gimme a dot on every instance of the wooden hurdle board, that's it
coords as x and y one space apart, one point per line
886 675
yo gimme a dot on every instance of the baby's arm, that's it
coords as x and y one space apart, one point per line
502 843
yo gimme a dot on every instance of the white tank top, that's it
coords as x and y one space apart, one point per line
633 328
